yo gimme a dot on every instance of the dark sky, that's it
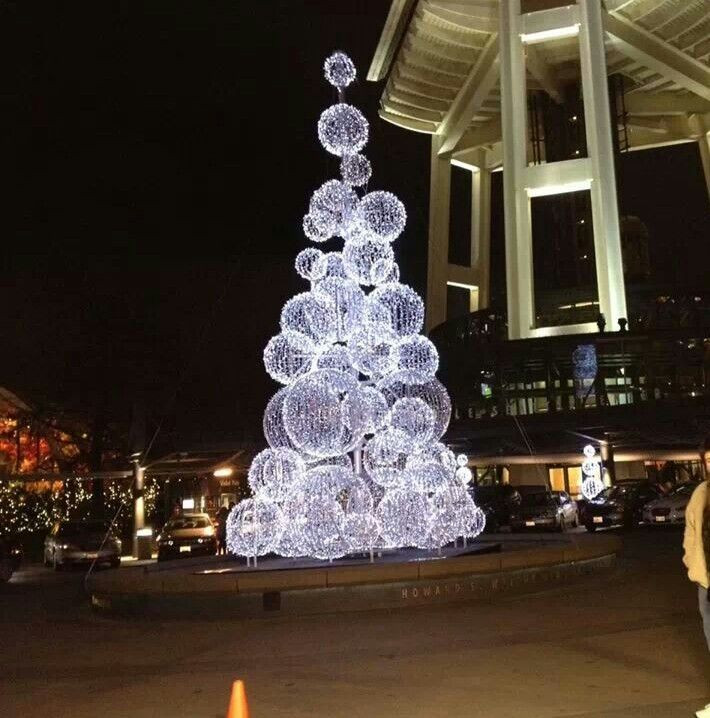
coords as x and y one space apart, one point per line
158 159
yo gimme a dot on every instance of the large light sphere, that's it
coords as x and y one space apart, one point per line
312 315
342 129
339 70
419 386
331 265
254 527
365 410
355 170
403 517
274 430
385 457
414 418
274 471
327 482
424 475
373 349
464 475
438 452
335 201
383 215
403 305
288 355
337 357
348 301
323 530
319 226
309 264
368 261
361 531
417 353
313 413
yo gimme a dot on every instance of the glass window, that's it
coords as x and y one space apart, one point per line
574 477
557 479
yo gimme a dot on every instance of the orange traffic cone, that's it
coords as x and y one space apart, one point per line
238 707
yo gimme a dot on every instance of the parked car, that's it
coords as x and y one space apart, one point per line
81 542
619 505
553 510
496 501
10 557
669 509
187 535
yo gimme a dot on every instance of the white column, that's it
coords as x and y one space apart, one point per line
605 211
481 229
438 257
704 147
518 244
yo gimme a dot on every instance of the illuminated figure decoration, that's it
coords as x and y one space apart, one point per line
354 461
592 484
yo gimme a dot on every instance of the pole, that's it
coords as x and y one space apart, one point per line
138 503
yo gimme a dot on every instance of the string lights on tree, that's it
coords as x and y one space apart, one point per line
355 460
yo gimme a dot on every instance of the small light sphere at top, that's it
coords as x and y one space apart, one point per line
589 451
339 70
342 129
383 215
355 170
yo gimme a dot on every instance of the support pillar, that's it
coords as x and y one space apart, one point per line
138 503
481 230
704 147
438 257
605 210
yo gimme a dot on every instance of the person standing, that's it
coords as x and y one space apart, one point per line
696 547
222 530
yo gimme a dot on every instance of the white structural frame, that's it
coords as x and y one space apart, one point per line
595 172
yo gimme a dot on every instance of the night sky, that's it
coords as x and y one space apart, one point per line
158 159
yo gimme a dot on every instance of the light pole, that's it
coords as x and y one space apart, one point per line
138 502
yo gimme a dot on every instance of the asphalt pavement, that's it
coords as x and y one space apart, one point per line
627 644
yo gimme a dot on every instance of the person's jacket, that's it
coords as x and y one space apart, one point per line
694 551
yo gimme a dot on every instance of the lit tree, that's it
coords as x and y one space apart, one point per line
355 458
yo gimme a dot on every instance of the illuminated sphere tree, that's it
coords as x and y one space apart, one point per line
354 459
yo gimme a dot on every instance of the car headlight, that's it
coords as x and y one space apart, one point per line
65 546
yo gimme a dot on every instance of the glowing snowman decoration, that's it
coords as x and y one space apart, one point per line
592 484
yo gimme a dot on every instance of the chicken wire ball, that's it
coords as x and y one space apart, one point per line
337 357
414 418
319 225
309 264
273 423
392 276
274 471
327 482
323 530
361 531
461 460
416 385
385 457
367 260
438 452
332 265
348 301
383 215
464 475
288 355
313 413
254 527
342 129
339 70
403 306
446 519
312 315
424 475
404 518
336 201
365 410
417 353
373 349
355 170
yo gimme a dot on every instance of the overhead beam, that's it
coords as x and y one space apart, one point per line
469 101
477 23
394 28
540 70
659 56
407 123
664 103
485 134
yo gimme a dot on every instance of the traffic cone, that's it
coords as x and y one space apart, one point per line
238 707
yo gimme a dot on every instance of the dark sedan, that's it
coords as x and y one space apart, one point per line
188 535
544 510
496 501
72 543
620 505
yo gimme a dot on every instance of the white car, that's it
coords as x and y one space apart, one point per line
668 509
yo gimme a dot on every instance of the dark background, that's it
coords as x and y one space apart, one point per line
158 158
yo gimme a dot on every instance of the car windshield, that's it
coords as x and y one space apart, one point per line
617 492
684 490
188 522
536 500
81 528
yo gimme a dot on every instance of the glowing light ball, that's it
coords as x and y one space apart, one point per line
313 413
348 301
339 70
368 261
464 475
409 384
414 418
310 265
342 130
327 482
288 355
462 460
357 498
589 451
254 527
404 308
335 202
361 531
274 471
373 350
424 475
364 410
311 315
437 452
383 215
355 170
403 517
385 457
273 423
319 226
417 353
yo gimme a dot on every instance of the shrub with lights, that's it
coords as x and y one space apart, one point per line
355 460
